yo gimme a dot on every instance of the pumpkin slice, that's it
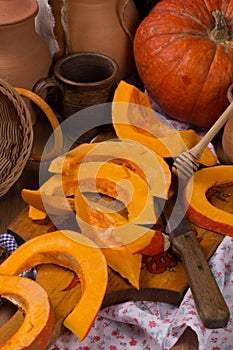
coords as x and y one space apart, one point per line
36 329
121 260
36 214
64 186
117 243
134 119
111 230
128 265
200 211
139 201
81 256
47 200
56 205
151 167
108 178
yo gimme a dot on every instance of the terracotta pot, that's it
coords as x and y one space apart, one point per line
102 26
24 56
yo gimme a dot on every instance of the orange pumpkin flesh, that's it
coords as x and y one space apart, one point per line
141 124
36 329
116 244
81 256
36 214
130 154
55 205
140 213
46 201
200 211
181 51
107 175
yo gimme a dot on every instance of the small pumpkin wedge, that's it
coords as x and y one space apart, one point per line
37 327
199 209
81 256
151 167
49 198
50 204
134 119
128 265
36 214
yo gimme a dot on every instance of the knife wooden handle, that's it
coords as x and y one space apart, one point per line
208 298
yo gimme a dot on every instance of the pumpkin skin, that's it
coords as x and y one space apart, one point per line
199 210
186 64
38 325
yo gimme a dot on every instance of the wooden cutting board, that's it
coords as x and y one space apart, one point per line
162 278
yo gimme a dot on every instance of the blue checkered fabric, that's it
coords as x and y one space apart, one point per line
8 241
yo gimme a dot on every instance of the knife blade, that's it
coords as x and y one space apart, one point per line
210 304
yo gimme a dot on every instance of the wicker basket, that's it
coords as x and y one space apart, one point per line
16 135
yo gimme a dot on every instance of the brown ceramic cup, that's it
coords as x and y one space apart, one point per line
81 80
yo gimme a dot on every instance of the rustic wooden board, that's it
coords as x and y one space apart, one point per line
162 278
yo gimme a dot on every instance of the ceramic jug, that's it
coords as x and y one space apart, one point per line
24 56
102 26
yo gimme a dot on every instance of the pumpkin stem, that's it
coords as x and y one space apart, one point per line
220 32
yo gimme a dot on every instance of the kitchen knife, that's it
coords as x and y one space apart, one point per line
209 301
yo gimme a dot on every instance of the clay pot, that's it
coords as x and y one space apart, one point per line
227 141
81 80
24 56
102 26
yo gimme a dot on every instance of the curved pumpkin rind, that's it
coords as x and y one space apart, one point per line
199 210
37 328
81 256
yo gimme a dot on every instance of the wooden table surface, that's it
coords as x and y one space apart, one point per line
11 205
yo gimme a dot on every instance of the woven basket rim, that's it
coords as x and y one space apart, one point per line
9 176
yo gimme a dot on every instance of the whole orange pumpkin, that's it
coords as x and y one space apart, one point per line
184 55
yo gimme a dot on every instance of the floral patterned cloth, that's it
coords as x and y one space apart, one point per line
155 326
